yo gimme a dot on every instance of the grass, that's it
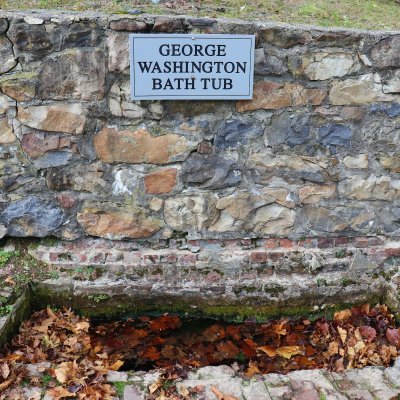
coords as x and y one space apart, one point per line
366 14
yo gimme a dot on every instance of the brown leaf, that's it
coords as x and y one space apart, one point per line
341 316
252 370
59 392
343 334
116 366
393 335
268 350
368 333
165 322
289 351
5 370
222 396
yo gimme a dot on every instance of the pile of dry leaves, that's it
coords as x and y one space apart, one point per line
80 354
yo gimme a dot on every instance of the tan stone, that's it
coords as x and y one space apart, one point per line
66 117
363 90
5 103
272 95
118 51
120 103
139 146
7 135
315 193
35 144
19 86
390 162
323 65
190 212
371 188
162 181
116 222
357 162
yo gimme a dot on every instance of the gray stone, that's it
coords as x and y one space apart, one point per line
3 25
118 51
75 73
53 159
8 61
269 61
293 129
335 135
132 393
235 133
210 171
387 52
128 25
32 216
82 34
31 39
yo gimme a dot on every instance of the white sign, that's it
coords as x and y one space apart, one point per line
175 66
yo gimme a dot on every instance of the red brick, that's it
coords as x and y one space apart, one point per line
342 241
276 256
392 252
161 181
168 258
376 241
361 242
308 243
271 244
326 243
258 256
287 243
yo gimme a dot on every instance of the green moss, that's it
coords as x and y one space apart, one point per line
120 388
342 253
348 282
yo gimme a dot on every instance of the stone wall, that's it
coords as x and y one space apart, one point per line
314 156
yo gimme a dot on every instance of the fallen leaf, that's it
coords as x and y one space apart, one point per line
268 350
393 335
341 316
5 370
288 351
252 370
116 366
59 392
368 333
222 396
343 334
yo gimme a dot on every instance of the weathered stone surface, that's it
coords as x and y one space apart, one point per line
32 216
139 147
335 135
363 90
357 162
161 181
272 96
5 103
84 178
386 53
7 135
285 38
269 61
32 39
68 117
168 25
82 34
287 127
186 213
128 25
315 193
35 144
265 166
244 211
118 51
3 25
323 65
339 219
8 60
390 162
236 132
120 103
19 86
392 84
210 171
372 188
75 73
113 221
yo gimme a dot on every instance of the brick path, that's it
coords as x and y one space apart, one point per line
370 383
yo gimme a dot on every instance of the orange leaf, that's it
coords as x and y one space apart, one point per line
117 365
252 370
59 393
165 322
288 351
222 396
151 353
268 350
341 316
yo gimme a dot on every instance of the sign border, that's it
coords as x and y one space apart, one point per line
149 97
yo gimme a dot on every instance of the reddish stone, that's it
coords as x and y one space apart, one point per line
271 243
326 243
168 258
342 241
392 252
286 243
204 147
276 256
361 242
308 243
168 25
128 25
258 256
66 200
376 241
161 181
35 144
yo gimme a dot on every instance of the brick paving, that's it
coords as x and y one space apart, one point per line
370 383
